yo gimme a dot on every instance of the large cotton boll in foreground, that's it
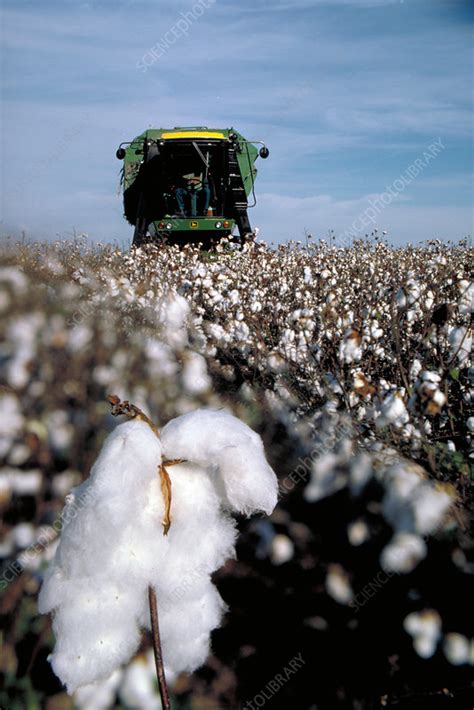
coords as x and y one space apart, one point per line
96 583
112 546
215 438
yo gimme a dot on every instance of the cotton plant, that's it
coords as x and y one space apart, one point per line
154 517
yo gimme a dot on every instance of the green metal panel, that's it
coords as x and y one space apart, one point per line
133 159
188 224
134 153
246 158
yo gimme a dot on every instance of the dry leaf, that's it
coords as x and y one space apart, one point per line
166 491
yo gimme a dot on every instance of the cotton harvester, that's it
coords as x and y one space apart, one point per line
190 184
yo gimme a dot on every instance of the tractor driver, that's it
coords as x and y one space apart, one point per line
195 187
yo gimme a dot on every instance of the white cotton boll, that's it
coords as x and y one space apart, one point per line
400 298
333 383
15 279
98 696
22 333
79 337
97 582
439 400
195 377
415 369
234 297
413 291
174 312
103 375
307 276
62 483
23 535
19 454
80 277
276 362
376 332
112 545
425 629
411 315
219 441
241 331
360 473
216 332
60 431
7 546
429 300
425 646
403 553
427 393
94 650
349 349
326 478
466 299
34 554
430 376
282 549
430 505
138 688
422 622
161 361
358 532
200 271
187 627
402 480
201 537
24 483
427 427
460 344
392 411
11 420
338 586
456 649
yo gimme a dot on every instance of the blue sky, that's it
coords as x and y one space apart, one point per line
347 94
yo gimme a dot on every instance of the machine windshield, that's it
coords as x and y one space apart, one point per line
187 177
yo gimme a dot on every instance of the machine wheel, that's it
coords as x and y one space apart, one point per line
243 224
139 235
141 223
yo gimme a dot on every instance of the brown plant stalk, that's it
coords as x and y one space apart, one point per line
155 632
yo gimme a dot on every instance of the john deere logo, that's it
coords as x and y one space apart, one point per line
193 224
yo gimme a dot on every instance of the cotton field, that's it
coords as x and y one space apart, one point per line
354 367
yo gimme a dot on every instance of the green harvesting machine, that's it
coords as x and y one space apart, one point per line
189 184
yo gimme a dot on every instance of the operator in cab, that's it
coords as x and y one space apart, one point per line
193 195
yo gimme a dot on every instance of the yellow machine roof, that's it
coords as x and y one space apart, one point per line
193 134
